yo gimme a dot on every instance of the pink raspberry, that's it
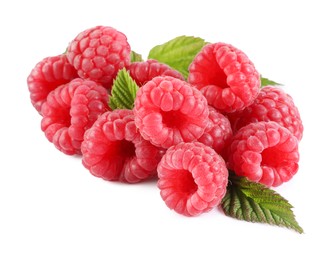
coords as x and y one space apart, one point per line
226 77
70 110
144 71
114 150
192 178
169 111
264 152
272 104
218 132
98 54
47 75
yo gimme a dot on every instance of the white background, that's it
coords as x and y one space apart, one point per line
51 207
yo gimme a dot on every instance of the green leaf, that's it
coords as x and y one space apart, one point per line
123 91
178 53
254 202
267 82
135 57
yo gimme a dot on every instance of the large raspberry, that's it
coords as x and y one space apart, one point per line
192 178
70 110
114 150
47 75
264 152
272 104
226 77
218 132
169 111
98 54
144 71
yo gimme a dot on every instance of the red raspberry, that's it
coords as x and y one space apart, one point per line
144 71
218 132
226 77
70 110
192 178
169 111
98 54
114 150
272 104
264 152
47 75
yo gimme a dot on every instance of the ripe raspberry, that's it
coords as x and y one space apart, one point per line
70 110
169 111
47 75
218 132
144 71
264 152
225 76
114 150
192 178
272 104
98 54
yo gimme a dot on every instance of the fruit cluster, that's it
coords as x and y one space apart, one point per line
188 132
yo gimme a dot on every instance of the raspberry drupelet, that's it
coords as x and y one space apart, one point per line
47 75
169 111
70 110
98 53
264 152
272 104
218 132
192 178
226 77
144 71
114 150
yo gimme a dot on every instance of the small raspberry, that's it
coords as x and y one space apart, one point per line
192 178
272 104
169 111
264 152
144 71
226 77
47 75
218 132
70 110
98 54
114 150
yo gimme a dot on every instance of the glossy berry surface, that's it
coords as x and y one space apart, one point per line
169 111
226 77
98 53
264 152
218 132
192 178
272 104
114 150
47 75
70 110
144 71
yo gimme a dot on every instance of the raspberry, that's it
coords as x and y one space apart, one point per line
169 111
218 132
47 75
192 178
226 77
114 150
70 110
272 104
264 152
98 54
144 71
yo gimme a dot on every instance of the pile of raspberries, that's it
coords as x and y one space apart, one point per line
187 133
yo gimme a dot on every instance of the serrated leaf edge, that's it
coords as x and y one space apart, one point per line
233 205
123 91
